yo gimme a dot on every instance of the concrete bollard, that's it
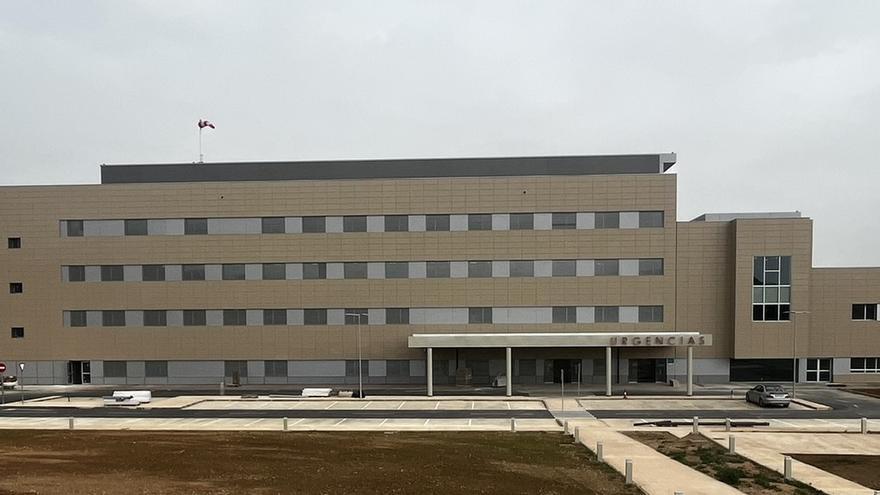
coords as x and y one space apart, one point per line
731 393
284 424
222 388
70 423
577 433
864 424
727 424
513 425
600 451
731 444
629 472
565 428
696 424
787 468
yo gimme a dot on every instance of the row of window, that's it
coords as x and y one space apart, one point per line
363 270
365 223
363 316
771 288
271 368
864 365
864 311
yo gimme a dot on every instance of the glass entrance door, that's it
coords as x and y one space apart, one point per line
818 370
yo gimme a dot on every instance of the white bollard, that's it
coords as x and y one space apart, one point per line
696 424
70 423
600 451
864 425
577 433
787 468
284 424
223 388
565 428
513 425
731 444
629 472
727 424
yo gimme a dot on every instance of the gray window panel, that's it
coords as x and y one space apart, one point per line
335 271
607 314
232 317
396 223
586 314
355 270
195 226
397 368
650 314
165 226
134 318
193 272
628 268
354 224
651 266
650 219
335 316
153 273
564 314
501 269
214 317
375 223
156 369
275 368
758 271
586 221
314 225
355 316
437 223
132 273
77 318
76 273
608 220
376 316
135 227
564 221
397 316
785 270
272 225
458 269
479 315
115 369
353 367
479 269
293 225
112 273
233 271
194 318
213 272
155 318
458 223
314 271
231 368
522 221
417 223
75 228
564 268
417 269
522 268
437 269
629 220
334 225
396 269
274 271
375 270
113 318
543 221
274 317
607 267
315 316
479 221
500 221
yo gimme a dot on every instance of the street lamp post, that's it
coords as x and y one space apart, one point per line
794 370
360 361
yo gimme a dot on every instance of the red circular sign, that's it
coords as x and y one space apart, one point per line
2 367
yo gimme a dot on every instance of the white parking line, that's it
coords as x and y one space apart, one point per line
426 422
507 404
367 405
469 422
300 420
437 405
252 423
340 422
472 405
331 405
383 421
401 404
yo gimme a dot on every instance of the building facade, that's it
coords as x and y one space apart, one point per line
282 273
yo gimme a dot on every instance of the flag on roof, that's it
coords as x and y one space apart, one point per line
205 123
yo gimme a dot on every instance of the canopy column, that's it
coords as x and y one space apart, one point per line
690 371
429 371
608 371
509 380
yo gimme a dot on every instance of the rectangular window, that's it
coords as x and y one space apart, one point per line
315 316
76 273
771 288
232 368
115 369
136 227
564 314
607 314
864 365
564 268
274 271
16 287
650 314
155 318
864 311
314 225
112 273
233 271
355 270
479 269
652 266
437 269
17 332
156 369
314 271
398 368
153 273
195 226
194 318
274 317
354 316
397 316
564 221
273 225
74 228
522 269
650 219
605 268
522 221
77 318
14 242
114 318
275 368
479 221
396 269
479 315
437 223
193 272
528 367
396 223
608 220
354 224
234 317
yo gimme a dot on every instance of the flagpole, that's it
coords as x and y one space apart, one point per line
201 156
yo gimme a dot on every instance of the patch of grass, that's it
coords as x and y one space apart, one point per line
729 475
762 480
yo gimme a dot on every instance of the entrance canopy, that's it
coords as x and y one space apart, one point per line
573 339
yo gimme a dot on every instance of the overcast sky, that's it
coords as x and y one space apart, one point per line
771 105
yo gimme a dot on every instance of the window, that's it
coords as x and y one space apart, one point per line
606 268
112 273
314 271
274 317
153 273
479 221
607 314
74 228
528 367
437 269
155 318
77 318
195 226
355 270
354 224
864 365
397 316
651 266
76 273
650 314
232 368
396 223
194 318
315 316
17 332
397 368
115 318
522 268
859 311
275 369
353 367
479 315
135 227
274 271
564 221
15 242
650 219
357 316
437 223
115 369
233 317
564 268
273 225
156 369
564 314
233 272
608 220
314 225
16 288
522 221
479 269
396 269
193 272
771 288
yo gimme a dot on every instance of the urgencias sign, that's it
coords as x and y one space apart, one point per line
660 341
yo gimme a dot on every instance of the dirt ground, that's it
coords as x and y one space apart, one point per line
80 462
861 469
709 458
871 392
